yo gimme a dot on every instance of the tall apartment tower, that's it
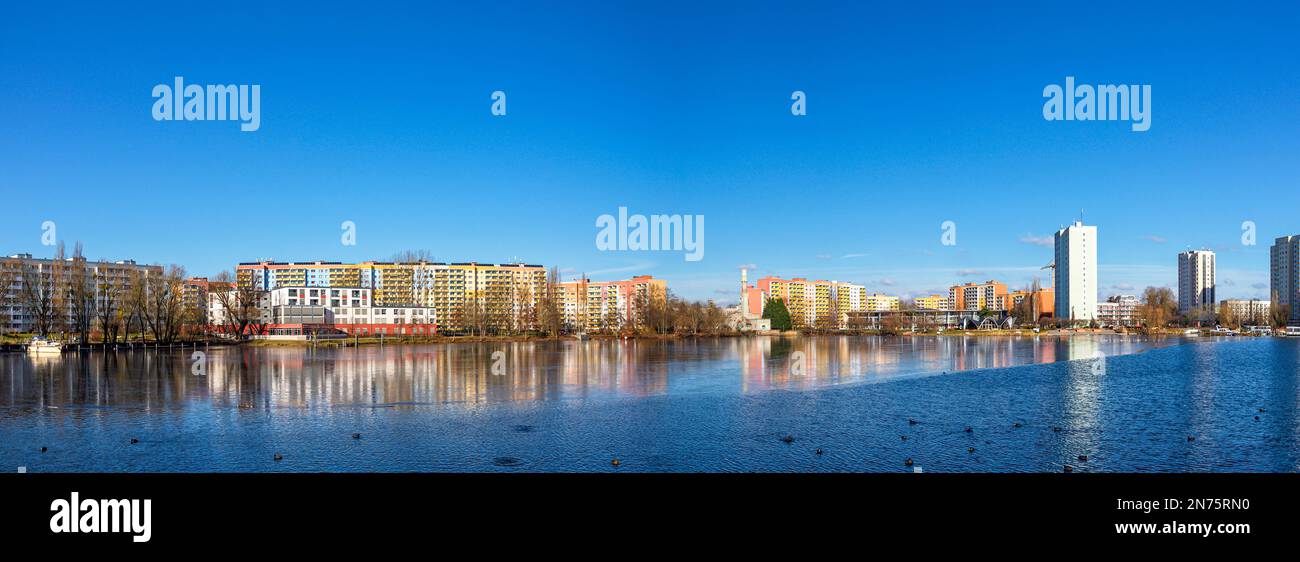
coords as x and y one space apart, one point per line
1196 281
1076 272
1284 282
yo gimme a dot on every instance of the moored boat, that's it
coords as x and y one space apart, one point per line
42 345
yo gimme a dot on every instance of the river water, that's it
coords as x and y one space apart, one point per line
711 404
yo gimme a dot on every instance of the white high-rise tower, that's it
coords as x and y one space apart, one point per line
1076 272
1196 281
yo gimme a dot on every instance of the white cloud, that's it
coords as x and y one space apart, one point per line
1046 241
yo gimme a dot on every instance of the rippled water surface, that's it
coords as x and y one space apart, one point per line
725 404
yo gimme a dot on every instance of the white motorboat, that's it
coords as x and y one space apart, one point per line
42 345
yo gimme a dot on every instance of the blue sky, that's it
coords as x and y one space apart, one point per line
380 114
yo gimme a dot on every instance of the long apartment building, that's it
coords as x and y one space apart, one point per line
1250 312
931 302
15 315
610 306
461 295
989 295
829 301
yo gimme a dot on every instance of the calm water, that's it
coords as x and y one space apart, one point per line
694 405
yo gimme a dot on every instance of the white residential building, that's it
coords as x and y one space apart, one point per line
1196 281
117 277
1076 272
1248 312
1284 281
1119 310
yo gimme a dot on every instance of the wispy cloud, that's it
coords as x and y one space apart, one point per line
1122 287
1154 238
747 266
851 256
969 272
1045 241
1259 285
887 282
824 256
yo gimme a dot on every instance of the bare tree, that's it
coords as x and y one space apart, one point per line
1228 317
108 293
1159 306
59 291
9 269
413 256
36 296
136 301
475 316
549 314
240 305
163 303
81 294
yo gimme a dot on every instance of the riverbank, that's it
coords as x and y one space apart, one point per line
10 343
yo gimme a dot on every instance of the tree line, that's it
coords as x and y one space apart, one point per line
74 297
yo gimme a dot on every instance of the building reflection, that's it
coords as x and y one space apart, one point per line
399 376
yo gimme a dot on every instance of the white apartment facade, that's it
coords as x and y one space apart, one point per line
1284 278
1076 279
1196 276
1249 312
14 314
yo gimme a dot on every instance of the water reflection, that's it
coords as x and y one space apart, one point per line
400 376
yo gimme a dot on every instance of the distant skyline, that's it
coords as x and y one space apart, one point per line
916 115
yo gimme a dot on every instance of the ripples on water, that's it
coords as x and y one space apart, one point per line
684 405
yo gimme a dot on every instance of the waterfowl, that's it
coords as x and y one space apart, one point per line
1069 468
970 449
356 436
1056 429
788 439
819 451
278 457
911 422
1083 458
43 449
1191 438
615 462
968 429
134 441
908 462
903 437
1017 424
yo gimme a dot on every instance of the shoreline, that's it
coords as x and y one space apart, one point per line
432 340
